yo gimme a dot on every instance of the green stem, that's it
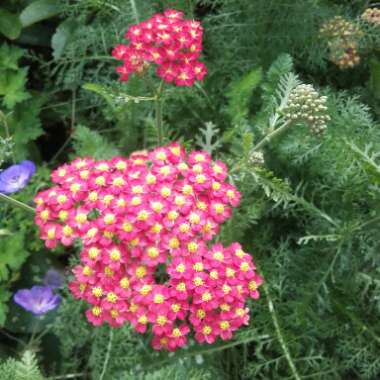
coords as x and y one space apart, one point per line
158 111
107 358
7 133
15 202
270 136
279 334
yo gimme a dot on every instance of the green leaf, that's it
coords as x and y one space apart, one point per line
240 93
10 24
25 126
62 37
4 296
91 143
13 255
100 90
12 87
39 10
9 56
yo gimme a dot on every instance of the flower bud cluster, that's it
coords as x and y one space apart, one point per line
167 40
342 37
371 16
144 223
305 105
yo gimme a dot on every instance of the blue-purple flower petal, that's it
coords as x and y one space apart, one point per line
38 300
16 177
29 165
53 279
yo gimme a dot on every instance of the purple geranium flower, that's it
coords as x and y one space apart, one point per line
16 177
38 300
53 279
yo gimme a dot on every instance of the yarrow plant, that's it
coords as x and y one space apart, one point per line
305 105
342 37
371 16
145 223
167 40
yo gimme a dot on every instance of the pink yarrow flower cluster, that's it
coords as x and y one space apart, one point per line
144 223
167 40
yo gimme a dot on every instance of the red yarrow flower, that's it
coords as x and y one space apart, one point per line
167 40
145 223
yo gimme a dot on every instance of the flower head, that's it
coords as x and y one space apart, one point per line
16 177
167 40
38 300
145 223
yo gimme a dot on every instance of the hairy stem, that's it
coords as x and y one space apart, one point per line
158 111
7 133
272 135
107 358
280 337
15 202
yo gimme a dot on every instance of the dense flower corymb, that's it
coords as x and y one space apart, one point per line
167 40
144 223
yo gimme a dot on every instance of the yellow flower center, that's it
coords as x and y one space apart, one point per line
143 320
174 243
153 252
184 227
145 289
109 219
224 325
172 215
143 215
206 296
158 298
127 227
93 252
180 268
61 199
219 208
93 196
192 247
194 218
97 291
124 283
181 287
252 286
121 165
176 332
157 206
115 254
96 310
135 201
165 192
140 272
176 307
118 181
67 230
161 320
201 313
100 181
198 267
187 189
244 266
81 218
